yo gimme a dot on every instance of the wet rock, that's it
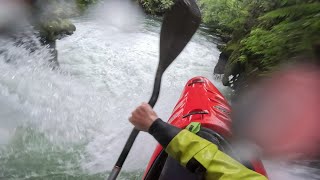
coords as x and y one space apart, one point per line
49 22
52 30
316 50
222 62
49 18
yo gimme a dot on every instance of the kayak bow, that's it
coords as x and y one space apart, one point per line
200 102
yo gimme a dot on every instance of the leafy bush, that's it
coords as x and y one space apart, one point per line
292 35
263 33
226 14
156 7
83 4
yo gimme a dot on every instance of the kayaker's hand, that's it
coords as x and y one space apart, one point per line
143 117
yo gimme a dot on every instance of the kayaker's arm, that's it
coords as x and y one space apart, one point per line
193 152
200 155
163 132
145 119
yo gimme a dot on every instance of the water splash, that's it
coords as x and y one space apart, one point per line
74 120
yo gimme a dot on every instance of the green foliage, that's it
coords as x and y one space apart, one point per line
263 33
226 14
83 4
292 36
156 7
293 12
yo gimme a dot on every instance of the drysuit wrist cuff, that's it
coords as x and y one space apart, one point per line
163 132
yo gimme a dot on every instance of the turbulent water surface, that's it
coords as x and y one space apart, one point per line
72 123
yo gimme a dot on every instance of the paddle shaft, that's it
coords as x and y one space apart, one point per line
179 25
134 133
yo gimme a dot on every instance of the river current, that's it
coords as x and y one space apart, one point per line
71 123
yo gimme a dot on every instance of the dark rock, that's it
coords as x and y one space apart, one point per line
232 68
225 38
221 47
231 71
316 50
222 62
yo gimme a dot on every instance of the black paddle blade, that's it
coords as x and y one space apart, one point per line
179 25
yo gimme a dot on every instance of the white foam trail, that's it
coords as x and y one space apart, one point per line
123 65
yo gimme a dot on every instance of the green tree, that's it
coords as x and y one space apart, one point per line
83 4
263 34
156 7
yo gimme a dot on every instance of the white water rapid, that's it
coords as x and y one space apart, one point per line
83 108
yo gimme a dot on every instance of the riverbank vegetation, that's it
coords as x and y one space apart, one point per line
84 4
259 35
156 7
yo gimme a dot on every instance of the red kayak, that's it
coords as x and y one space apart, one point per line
200 102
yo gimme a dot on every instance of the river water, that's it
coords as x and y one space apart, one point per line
72 123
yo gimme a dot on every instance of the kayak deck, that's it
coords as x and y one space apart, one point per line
200 102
